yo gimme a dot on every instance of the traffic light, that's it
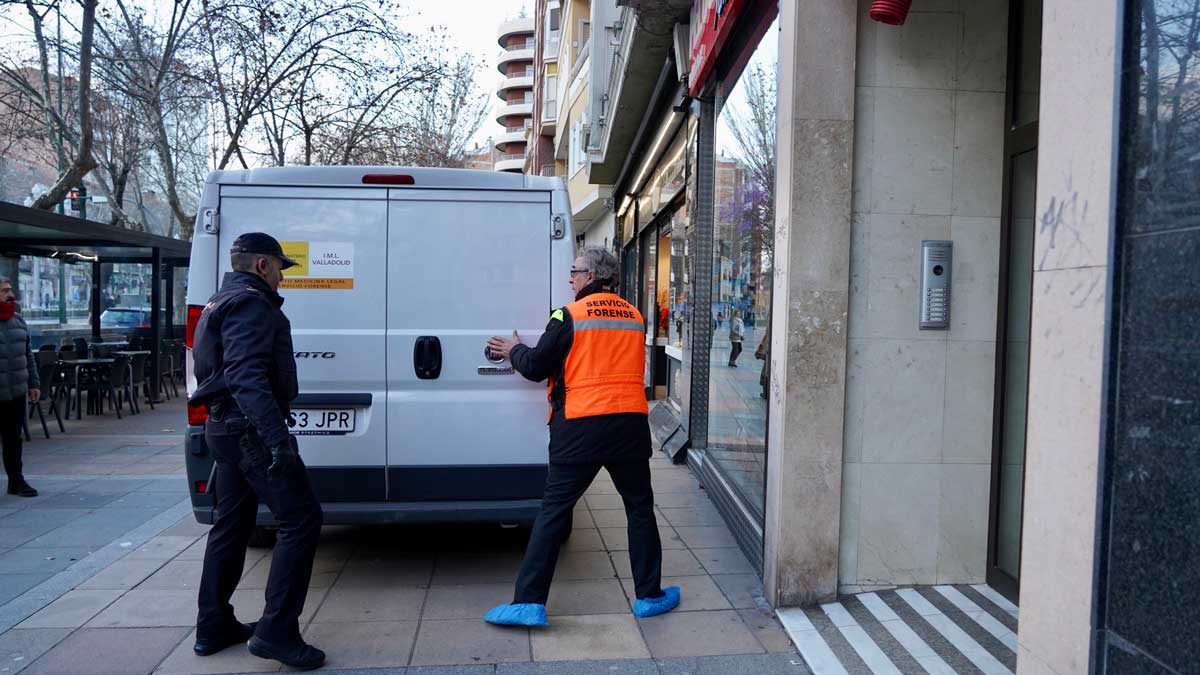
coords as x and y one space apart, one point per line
78 198
73 195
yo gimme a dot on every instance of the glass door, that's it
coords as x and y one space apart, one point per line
1016 297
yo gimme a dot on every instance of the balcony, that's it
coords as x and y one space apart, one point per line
509 83
549 119
512 110
514 55
513 27
511 135
511 162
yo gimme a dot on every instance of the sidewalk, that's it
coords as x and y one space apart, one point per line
402 599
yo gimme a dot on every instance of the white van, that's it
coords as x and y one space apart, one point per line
403 275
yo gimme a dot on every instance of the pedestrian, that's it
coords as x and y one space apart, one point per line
18 383
246 371
593 355
737 332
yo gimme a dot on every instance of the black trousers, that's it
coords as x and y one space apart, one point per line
12 414
239 487
735 352
565 484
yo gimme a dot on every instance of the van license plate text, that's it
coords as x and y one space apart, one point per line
321 421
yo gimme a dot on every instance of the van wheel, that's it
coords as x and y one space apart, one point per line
263 537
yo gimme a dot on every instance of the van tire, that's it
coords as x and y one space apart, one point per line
263 537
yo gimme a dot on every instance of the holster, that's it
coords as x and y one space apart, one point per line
254 451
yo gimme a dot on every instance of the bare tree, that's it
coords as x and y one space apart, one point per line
19 81
752 124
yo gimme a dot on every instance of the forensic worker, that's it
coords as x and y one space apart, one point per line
593 354
246 372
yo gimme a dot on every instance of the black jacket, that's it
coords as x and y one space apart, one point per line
586 440
243 356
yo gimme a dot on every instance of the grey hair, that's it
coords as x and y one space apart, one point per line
602 263
5 280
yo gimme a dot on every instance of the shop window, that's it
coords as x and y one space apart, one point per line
743 264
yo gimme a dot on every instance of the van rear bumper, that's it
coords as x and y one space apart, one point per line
374 513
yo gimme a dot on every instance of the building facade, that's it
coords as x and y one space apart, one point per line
515 110
900 339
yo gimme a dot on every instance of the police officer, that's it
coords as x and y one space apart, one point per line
593 355
247 377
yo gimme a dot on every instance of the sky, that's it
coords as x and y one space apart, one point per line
473 25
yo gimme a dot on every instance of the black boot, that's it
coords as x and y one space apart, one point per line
235 635
20 488
301 656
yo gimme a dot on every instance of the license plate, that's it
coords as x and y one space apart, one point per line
321 421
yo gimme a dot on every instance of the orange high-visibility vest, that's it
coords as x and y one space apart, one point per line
604 369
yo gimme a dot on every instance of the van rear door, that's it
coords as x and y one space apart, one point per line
334 300
464 265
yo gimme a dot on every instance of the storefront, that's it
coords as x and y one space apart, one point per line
696 224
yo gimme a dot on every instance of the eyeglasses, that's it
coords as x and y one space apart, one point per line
575 271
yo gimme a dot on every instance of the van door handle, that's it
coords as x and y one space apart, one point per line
427 357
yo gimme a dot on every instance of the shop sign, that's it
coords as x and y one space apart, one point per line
717 26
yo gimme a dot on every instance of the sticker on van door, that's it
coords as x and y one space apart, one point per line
322 265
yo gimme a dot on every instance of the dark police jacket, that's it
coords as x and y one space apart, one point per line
243 357
597 439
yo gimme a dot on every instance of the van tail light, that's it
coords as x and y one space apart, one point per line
388 179
197 415
193 317
202 487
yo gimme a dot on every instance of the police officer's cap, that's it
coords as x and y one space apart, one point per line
262 244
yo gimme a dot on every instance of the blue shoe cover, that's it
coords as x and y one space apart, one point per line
644 607
525 614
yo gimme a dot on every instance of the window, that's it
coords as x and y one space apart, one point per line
554 19
579 139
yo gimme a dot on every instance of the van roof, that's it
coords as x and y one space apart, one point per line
423 177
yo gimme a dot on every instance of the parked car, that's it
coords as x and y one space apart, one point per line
125 317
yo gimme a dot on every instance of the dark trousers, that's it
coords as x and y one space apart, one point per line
565 484
239 487
735 352
12 414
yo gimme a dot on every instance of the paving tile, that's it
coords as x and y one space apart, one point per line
601 487
71 610
757 664
105 651
576 638
586 597
471 601
675 563
582 518
325 573
601 502
123 574
81 533
610 518
349 602
617 538
469 641
666 485
162 500
248 603
673 500
186 527
696 593
21 534
695 516
15 585
698 634
163 547
442 670
744 591
44 518
584 539
41 560
706 537
20 647
79 500
458 570
381 570
376 644
766 628
727 560
176 575
574 565
142 609
235 659
606 667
